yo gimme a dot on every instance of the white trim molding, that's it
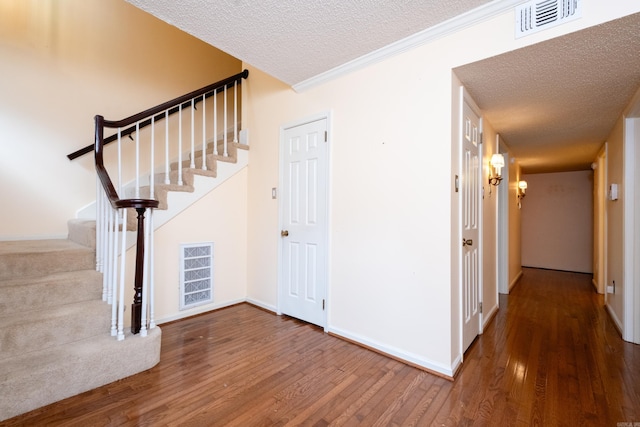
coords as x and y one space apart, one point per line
410 358
445 28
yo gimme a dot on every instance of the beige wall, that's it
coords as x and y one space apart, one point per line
515 221
615 222
219 217
622 217
557 221
393 279
62 63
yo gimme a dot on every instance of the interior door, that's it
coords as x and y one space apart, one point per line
471 189
303 265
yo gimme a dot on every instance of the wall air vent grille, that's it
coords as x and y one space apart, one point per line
196 274
537 15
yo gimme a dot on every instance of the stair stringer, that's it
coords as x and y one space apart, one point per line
178 201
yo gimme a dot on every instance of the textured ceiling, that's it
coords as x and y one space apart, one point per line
553 103
294 40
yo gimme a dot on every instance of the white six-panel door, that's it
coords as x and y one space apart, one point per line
471 189
303 212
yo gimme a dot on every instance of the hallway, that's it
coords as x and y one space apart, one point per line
550 357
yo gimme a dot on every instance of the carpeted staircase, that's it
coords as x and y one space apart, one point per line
54 326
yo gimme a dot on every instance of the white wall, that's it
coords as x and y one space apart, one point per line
62 63
557 221
393 264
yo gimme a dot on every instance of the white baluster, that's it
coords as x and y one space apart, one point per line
152 179
204 133
119 161
180 145
224 138
152 322
102 240
145 279
137 189
117 292
99 240
122 276
113 270
192 165
235 111
166 147
110 255
215 122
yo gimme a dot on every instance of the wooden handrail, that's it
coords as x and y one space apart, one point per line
105 180
158 112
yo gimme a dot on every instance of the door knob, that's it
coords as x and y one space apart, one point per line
284 233
467 242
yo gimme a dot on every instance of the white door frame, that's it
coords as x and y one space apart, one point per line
631 227
320 116
503 225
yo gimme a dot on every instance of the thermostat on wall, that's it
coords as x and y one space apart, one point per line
613 192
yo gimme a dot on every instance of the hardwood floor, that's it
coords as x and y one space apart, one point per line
550 357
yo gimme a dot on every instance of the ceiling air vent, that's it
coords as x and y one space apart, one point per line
537 15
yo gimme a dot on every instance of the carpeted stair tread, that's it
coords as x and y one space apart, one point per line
31 330
30 381
82 231
29 293
40 257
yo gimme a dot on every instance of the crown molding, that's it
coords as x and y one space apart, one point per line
450 26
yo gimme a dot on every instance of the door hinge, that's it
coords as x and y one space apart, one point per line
323 304
326 137
481 137
480 307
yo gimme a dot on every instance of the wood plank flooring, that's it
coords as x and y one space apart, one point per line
551 357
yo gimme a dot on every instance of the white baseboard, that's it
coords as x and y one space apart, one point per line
198 310
401 355
262 305
487 317
616 321
513 283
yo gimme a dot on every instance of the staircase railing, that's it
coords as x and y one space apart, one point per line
135 181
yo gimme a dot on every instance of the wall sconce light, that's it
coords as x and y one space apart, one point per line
522 188
495 169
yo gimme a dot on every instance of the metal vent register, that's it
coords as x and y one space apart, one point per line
539 15
196 274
